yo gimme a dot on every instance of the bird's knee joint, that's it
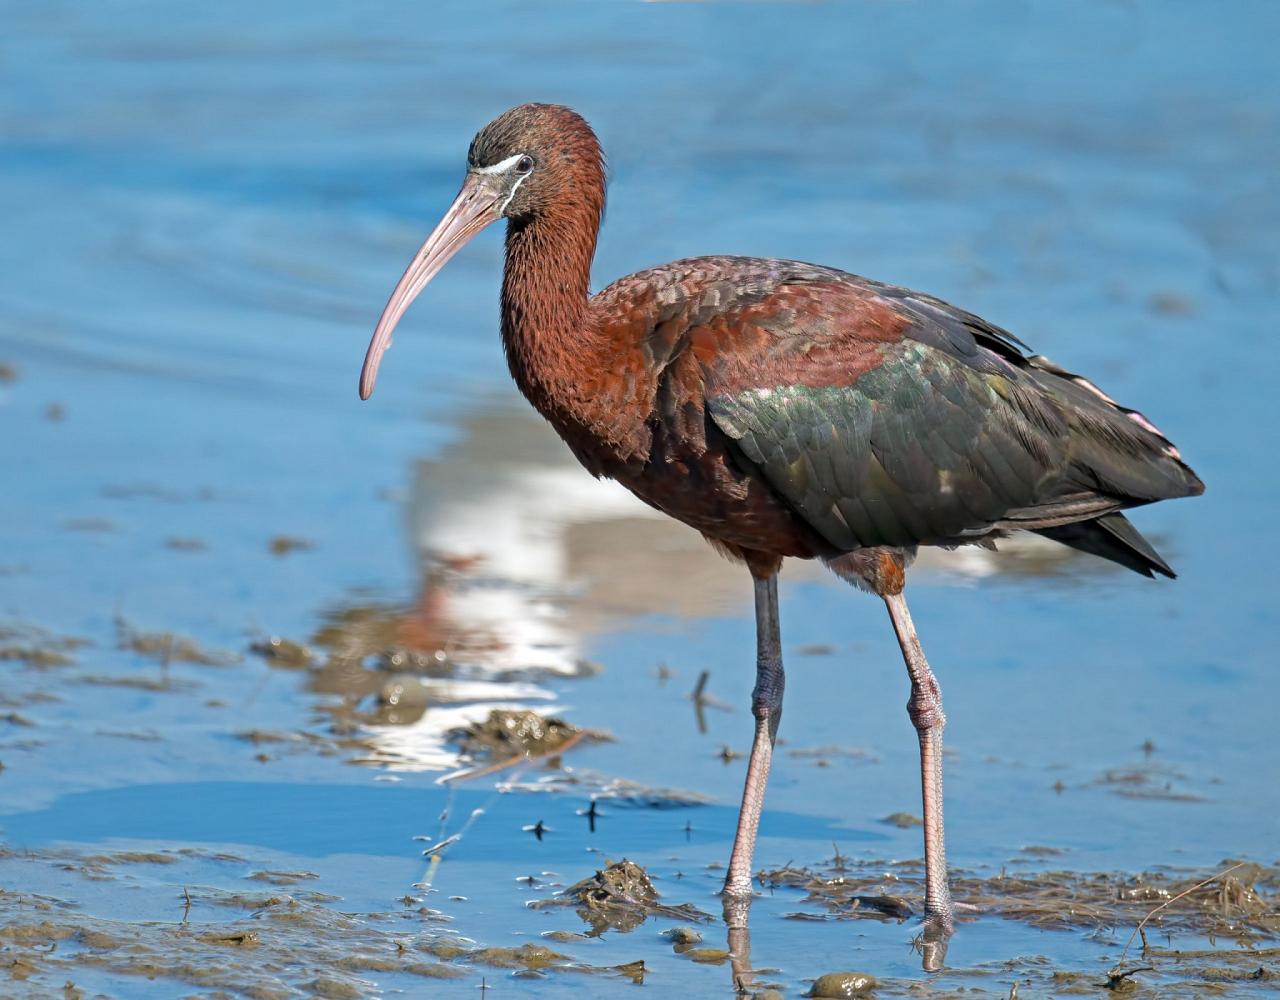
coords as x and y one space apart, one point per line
765 707
928 718
925 707
766 699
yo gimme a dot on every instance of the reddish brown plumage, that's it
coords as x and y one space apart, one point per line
780 408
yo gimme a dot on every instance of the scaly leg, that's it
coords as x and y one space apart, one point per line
766 706
925 709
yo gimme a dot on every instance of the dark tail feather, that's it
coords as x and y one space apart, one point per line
1112 537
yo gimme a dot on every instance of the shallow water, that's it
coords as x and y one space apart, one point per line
205 209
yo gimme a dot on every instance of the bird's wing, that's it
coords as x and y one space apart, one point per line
886 417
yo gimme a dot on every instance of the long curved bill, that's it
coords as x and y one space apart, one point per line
473 209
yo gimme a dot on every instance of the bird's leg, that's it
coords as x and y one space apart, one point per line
925 709
740 948
766 706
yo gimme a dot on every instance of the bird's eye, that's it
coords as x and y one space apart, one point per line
524 164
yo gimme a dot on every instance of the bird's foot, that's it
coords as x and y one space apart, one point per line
935 935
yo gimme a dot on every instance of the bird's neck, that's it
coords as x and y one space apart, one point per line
554 347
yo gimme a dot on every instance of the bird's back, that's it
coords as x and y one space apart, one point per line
866 413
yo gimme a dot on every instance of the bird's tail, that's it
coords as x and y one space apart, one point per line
1113 537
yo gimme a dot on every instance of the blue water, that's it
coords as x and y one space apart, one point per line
205 208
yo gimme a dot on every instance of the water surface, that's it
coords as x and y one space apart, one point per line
205 209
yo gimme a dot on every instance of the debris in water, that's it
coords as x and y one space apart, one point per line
619 897
1040 851
511 733
185 544
1147 781
169 647
824 753
35 647
890 906
283 652
282 545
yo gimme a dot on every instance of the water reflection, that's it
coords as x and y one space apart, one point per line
512 520
523 559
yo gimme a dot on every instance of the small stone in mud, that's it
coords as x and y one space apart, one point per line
446 950
435 970
282 652
282 545
238 939
632 970
527 956
837 985
100 941
707 956
564 937
685 937
508 733
903 820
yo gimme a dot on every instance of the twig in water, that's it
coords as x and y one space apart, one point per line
1115 977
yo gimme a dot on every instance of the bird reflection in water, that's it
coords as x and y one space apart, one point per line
519 557
518 554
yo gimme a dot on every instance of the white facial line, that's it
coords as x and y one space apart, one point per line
500 168
514 188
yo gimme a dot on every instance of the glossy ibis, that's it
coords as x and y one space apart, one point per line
787 409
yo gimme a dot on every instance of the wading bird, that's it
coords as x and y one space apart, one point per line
787 409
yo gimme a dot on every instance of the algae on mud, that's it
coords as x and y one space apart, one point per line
292 936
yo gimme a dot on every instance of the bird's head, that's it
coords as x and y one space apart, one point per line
526 163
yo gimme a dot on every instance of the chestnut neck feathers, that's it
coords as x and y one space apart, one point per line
554 346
